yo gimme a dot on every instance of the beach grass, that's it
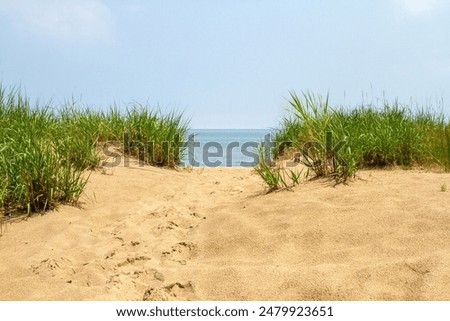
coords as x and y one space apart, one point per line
338 141
46 150
272 176
35 171
155 138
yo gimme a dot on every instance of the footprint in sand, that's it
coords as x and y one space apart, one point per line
181 252
172 292
139 279
132 260
127 252
127 263
52 267
173 212
169 219
183 227
88 274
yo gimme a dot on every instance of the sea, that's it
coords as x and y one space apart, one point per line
224 147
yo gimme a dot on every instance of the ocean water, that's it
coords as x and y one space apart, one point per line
224 147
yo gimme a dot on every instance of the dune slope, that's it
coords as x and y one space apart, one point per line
212 234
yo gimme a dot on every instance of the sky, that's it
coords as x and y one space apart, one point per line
227 63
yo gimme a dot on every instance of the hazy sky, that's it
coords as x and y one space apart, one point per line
226 63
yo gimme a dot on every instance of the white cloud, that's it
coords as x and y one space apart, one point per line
419 6
61 19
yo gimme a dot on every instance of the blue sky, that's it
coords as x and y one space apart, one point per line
227 63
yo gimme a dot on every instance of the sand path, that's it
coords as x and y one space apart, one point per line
211 234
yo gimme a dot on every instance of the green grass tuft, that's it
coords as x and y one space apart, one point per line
338 141
44 152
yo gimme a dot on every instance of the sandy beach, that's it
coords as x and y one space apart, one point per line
213 234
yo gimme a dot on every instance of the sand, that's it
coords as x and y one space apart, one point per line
212 234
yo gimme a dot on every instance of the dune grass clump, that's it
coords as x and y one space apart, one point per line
273 177
276 177
156 139
318 133
35 172
339 141
45 152
336 142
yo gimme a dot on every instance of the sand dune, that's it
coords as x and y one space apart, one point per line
211 234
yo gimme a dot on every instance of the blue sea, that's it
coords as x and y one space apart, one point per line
224 147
